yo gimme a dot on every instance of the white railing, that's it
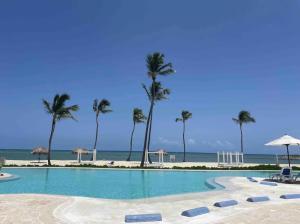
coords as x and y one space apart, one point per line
230 158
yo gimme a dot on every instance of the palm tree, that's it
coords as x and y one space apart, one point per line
159 93
156 66
101 107
244 117
137 117
185 115
58 110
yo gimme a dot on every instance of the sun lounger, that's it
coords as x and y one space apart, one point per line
251 179
295 177
258 199
143 218
268 183
290 196
222 204
284 175
195 212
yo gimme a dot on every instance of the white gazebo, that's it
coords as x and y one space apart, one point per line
285 140
79 152
160 153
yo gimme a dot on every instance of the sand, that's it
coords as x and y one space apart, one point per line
121 163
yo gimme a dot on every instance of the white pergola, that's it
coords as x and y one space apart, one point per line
159 152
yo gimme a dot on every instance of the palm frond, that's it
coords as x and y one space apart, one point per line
186 115
60 102
95 105
178 119
138 116
146 90
103 106
47 107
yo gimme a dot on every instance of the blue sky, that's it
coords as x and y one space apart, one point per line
229 55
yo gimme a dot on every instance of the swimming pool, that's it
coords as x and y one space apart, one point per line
112 183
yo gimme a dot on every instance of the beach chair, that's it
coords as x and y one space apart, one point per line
295 177
284 175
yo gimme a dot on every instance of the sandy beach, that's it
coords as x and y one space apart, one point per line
124 163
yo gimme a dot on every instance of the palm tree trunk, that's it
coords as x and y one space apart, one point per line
97 127
183 138
130 150
96 137
242 144
148 123
146 135
149 137
50 140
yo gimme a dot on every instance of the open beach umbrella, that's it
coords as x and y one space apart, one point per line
40 151
79 151
285 140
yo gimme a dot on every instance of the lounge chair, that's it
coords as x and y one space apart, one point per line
284 175
295 177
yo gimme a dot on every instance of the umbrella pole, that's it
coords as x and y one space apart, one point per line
288 154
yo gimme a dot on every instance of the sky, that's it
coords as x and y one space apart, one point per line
229 56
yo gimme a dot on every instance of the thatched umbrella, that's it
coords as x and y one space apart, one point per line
79 151
40 151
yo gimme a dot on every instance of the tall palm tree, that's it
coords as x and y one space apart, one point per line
137 117
101 107
156 66
185 115
58 110
159 93
244 117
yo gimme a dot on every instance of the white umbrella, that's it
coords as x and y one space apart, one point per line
287 141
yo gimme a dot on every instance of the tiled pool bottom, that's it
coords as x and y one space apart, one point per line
114 183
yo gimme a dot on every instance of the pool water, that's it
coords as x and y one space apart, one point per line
113 184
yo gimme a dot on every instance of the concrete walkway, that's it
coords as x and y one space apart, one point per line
48 209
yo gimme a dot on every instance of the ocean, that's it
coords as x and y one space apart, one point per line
25 154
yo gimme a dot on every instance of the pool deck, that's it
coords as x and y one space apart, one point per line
34 208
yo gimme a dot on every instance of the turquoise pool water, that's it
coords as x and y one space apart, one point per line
113 184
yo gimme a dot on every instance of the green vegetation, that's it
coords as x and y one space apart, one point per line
137 118
258 167
185 115
58 111
244 117
101 107
156 66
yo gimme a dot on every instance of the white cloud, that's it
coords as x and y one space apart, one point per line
166 141
191 141
218 144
